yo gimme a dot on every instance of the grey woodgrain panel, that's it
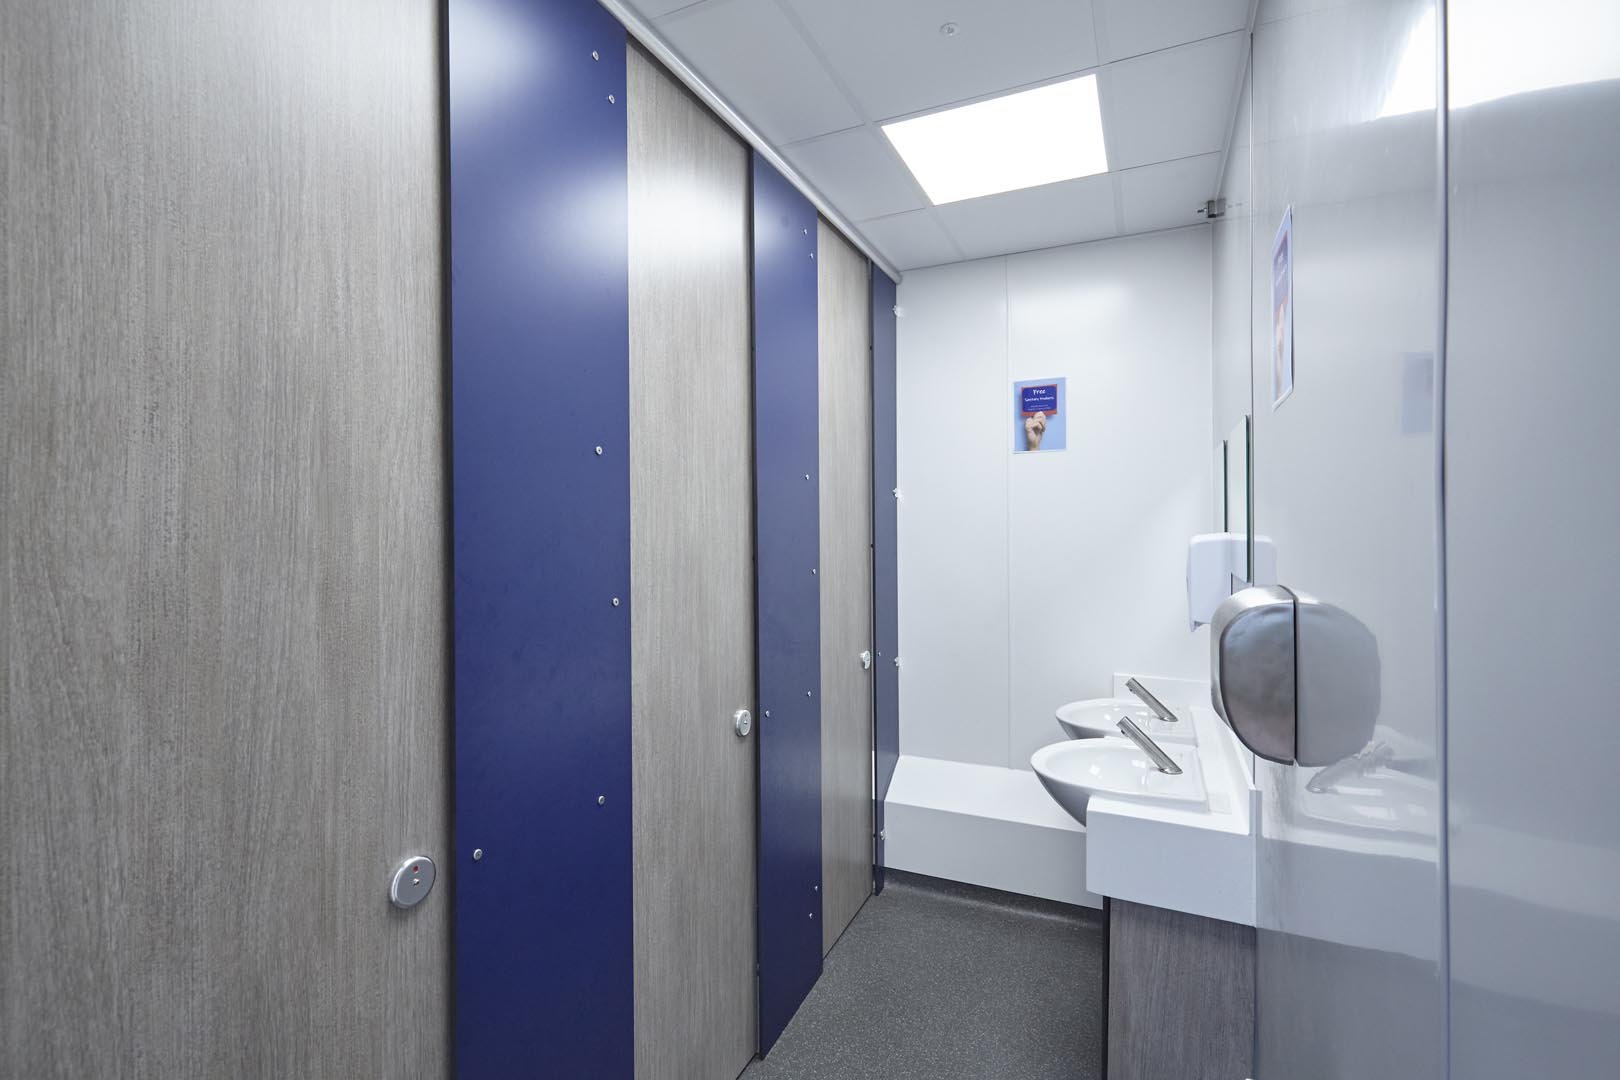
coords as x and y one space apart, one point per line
692 585
844 306
1180 995
224 653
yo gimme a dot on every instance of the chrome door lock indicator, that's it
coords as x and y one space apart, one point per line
743 722
413 880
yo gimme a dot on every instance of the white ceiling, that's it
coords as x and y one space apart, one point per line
818 77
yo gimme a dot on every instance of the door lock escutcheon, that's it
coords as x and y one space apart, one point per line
412 881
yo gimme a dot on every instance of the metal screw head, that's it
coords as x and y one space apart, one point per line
807 693
612 100
615 601
805 231
949 29
601 800
767 714
595 55
812 569
812 254
807 476
598 451
478 853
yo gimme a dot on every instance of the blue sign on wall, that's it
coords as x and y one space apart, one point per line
1040 399
1039 415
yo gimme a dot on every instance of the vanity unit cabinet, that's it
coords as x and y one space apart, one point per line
1180 995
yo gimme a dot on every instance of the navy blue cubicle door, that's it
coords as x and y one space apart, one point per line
787 530
885 571
538 281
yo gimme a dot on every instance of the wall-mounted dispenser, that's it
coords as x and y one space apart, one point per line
1296 679
1216 562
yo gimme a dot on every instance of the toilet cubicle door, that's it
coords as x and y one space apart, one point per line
885 560
846 581
691 591
222 563
788 598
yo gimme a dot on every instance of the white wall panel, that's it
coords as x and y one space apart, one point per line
1027 581
952 370
1531 497
1098 532
1348 889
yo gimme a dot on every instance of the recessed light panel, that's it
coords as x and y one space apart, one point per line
1021 140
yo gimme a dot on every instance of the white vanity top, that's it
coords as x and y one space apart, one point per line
1198 860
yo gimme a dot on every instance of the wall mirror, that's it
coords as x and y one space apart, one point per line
1237 517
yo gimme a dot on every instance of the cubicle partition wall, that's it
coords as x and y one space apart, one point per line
641 557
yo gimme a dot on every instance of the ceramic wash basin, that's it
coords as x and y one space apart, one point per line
1099 718
1113 768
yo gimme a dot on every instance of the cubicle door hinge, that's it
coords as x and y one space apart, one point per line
1214 208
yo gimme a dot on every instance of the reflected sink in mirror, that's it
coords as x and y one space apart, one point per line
1099 718
1370 791
1378 800
1113 768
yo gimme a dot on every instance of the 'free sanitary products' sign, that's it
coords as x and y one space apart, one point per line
1038 415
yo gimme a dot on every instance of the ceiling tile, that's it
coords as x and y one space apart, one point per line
1168 194
910 240
1132 27
652 9
758 61
859 173
1170 104
894 59
1037 217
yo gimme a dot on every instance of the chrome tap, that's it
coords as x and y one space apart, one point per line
1160 709
1145 743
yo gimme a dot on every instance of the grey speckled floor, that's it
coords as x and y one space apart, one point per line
938 981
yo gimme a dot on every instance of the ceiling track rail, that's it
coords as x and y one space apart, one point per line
640 29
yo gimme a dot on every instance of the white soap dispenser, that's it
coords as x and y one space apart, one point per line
1218 565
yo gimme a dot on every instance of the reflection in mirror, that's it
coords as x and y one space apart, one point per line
1239 483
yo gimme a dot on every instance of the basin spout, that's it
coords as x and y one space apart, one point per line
1145 743
1160 709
